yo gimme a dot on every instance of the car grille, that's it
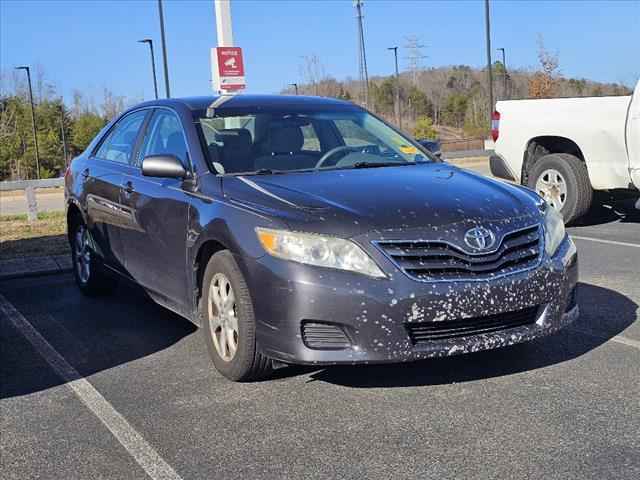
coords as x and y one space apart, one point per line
437 260
431 331
324 336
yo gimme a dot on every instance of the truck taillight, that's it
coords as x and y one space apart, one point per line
495 125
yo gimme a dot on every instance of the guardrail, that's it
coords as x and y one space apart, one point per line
30 187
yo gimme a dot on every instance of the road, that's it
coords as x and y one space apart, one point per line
120 388
17 204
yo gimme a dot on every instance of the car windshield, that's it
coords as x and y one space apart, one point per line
269 142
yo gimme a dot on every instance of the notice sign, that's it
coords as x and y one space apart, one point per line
228 69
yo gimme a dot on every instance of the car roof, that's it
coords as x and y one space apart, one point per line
252 101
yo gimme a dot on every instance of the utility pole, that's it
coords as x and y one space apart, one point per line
164 50
153 64
295 86
64 136
504 73
489 74
396 102
33 119
362 55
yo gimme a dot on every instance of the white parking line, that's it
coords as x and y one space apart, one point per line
129 438
611 242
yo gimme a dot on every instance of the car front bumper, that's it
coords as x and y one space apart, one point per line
376 314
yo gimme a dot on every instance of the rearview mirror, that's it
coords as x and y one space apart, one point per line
164 166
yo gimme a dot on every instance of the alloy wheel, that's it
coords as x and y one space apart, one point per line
223 317
552 186
82 254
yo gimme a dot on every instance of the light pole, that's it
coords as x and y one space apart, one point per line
504 73
295 86
164 50
153 64
396 101
489 74
33 119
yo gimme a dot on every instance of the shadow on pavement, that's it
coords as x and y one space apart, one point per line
97 334
604 314
92 334
608 208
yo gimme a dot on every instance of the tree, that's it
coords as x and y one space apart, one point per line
85 128
455 109
424 128
419 103
544 82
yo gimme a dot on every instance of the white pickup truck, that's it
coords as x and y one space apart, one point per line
566 148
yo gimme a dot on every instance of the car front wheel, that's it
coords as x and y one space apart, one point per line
228 321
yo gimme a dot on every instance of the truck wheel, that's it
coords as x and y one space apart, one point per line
87 267
563 181
228 321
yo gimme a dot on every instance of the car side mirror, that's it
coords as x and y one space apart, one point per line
163 166
438 155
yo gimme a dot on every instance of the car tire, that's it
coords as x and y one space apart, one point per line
231 336
564 181
89 272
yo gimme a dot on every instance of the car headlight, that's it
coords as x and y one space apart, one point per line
554 231
318 250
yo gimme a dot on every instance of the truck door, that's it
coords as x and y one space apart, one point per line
633 137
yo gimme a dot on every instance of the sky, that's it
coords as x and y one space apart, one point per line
91 44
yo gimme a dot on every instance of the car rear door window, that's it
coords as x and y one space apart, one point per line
119 145
164 136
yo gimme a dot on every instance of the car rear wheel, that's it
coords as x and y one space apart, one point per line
87 268
563 181
228 321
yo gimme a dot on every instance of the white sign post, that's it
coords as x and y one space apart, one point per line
227 66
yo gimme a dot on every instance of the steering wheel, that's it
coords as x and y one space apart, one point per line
343 148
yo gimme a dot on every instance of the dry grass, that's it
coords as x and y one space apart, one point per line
46 236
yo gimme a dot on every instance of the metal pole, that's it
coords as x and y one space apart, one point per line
489 73
164 50
224 26
363 53
33 120
396 101
504 73
295 86
153 64
64 136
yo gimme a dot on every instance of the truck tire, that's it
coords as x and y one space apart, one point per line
562 179
228 321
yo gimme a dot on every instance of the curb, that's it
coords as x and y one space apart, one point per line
34 267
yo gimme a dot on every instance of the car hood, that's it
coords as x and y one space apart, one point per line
351 202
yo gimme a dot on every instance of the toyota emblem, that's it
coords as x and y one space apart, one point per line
479 238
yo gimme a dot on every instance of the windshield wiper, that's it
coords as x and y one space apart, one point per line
379 164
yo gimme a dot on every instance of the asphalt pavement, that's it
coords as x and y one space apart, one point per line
118 387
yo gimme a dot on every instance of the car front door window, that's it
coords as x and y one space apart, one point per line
119 145
164 136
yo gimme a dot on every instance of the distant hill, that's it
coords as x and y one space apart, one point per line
454 97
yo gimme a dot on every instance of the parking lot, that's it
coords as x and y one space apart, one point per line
118 387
